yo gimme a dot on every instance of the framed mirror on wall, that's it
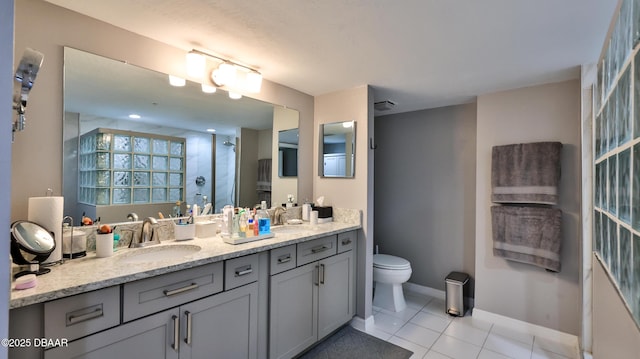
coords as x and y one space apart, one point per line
337 155
177 125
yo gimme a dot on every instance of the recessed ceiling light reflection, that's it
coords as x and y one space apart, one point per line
211 130
134 116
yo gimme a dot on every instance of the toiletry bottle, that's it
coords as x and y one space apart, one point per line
255 223
242 223
176 210
264 221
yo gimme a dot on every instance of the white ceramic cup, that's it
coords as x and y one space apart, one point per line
314 217
104 245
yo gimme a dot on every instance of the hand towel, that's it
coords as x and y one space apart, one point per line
526 173
528 234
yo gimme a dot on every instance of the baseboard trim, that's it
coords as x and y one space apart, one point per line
432 292
362 324
420 289
532 329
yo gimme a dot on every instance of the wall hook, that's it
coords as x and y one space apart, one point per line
371 144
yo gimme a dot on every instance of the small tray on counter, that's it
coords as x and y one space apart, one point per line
240 240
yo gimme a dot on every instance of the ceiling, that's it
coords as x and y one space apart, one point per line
417 53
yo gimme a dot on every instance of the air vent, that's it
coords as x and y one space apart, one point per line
385 105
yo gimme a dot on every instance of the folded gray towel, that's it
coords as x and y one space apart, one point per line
528 234
526 173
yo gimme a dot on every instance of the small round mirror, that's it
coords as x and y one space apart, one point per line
33 238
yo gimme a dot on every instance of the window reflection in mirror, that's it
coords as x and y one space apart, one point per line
338 149
288 153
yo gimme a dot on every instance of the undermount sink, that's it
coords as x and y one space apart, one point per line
158 253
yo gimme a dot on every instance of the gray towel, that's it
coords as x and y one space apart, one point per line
526 173
264 175
528 234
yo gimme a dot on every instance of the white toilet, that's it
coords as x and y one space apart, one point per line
389 272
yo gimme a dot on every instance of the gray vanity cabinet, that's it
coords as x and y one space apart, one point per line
220 326
311 301
149 337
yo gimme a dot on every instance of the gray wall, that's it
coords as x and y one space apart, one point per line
425 170
6 94
540 113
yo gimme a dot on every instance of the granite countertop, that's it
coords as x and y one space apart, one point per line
91 273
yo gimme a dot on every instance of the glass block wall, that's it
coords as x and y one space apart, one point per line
123 167
617 156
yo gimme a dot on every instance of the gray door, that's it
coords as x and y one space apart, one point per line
293 311
150 337
335 303
223 326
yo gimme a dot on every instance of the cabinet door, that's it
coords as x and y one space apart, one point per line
150 337
221 326
293 311
336 292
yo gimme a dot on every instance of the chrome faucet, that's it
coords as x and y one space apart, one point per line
133 217
277 215
146 234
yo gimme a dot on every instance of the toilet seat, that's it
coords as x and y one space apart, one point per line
385 261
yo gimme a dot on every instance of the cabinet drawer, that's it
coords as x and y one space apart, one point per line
316 249
155 294
240 271
282 259
346 241
82 314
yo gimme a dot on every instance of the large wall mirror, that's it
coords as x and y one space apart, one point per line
337 155
134 143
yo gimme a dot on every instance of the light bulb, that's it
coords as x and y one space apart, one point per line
234 95
224 75
208 88
196 64
177 81
253 82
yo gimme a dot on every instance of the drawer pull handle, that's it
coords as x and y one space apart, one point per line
169 293
319 249
176 333
284 259
75 319
188 338
321 274
346 242
244 271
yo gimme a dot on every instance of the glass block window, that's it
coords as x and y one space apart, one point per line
616 139
124 167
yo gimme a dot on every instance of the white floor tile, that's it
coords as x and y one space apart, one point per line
431 321
435 355
387 323
418 335
436 306
488 354
463 331
539 353
416 301
418 351
474 322
563 349
405 315
513 334
455 348
508 346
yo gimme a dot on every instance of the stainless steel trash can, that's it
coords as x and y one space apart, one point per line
457 285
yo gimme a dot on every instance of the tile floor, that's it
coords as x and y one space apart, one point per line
426 330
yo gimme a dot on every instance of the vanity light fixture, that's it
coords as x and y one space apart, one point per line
230 74
177 81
